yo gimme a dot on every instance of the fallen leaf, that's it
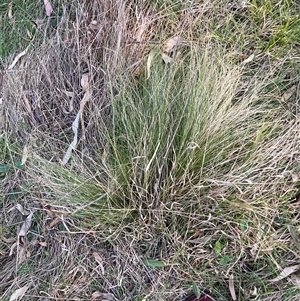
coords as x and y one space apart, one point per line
103 296
286 272
24 155
254 291
288 93
20 208
17 58
142 29
48 8
167 59
254 250
27 104
95 25
73 144
9 14
231 287
149 62
84 82
19 293
22 255
138 71
171 44
43 243
86 97
68 93
99 261
52 224
13 246
201 240
248 60
26 225
295 178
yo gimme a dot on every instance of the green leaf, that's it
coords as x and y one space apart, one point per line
244 226
4 168
218 247
153 263
196 290
19 165
225 260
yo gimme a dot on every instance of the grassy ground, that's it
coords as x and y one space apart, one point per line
186 168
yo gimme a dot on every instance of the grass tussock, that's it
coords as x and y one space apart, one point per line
182 134
193 163
184 149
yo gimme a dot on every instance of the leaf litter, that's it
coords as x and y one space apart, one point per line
171 44
99 261
19 293
10 13
231 287
248 60
48 8
286 272
26 225
20 208
86 88
102 296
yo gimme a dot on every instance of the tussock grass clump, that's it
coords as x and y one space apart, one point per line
193 163
184 134
192 151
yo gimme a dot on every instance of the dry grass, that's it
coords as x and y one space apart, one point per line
197 166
